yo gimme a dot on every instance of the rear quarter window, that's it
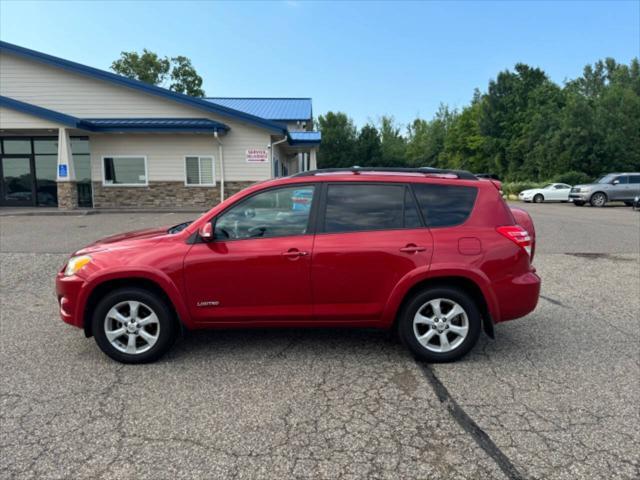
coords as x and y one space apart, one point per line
445 205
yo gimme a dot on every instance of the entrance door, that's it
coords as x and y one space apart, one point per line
16 181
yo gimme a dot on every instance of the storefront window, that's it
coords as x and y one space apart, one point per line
127 171
19 146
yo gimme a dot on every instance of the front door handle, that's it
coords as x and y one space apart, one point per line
412 248
294 253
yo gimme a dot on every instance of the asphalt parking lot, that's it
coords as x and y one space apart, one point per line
554 396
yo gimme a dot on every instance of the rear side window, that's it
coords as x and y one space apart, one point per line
357 208
634 179
445 205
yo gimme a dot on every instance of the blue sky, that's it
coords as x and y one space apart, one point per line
366 59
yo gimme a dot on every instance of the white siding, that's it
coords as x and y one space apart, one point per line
13 119
80 95
165 154
85 97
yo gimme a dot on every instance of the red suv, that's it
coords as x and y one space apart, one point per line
435 254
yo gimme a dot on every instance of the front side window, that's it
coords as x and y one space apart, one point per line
279 212
357 208
622 179
127 171
445 205
199 171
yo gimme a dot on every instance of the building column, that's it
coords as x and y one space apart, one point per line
66 175
313 165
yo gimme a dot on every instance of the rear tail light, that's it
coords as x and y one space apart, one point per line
517 235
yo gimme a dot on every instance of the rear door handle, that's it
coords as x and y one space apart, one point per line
294 253
411 248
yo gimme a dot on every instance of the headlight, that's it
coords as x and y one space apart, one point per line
76 264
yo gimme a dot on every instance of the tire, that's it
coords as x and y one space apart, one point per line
538 198
113 313
598 199
428 349
578 203
629 204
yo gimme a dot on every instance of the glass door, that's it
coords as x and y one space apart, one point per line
16 181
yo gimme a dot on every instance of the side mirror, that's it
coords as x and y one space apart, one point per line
616 182
206 232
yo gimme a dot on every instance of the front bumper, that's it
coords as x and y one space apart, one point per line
581 197
68 292
525 198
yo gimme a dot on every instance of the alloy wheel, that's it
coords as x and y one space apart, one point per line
441 325
132 327
599 200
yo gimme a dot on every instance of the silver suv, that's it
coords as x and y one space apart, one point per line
613 187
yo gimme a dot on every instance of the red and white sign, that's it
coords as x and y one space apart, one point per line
255 155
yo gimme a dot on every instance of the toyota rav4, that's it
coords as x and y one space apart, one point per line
436 255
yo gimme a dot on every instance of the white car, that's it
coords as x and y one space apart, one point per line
554 192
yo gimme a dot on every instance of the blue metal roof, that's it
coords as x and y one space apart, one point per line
154 124
276 109
192 125
304 138
144 87
40 112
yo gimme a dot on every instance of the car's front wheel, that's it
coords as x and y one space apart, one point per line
440 324
133 325
538 198
598 199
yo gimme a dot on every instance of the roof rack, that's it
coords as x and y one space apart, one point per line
461 174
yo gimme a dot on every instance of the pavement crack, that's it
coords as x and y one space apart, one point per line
470 426
554 301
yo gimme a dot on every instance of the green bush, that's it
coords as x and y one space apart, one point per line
572 178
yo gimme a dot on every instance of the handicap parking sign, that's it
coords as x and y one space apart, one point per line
62 170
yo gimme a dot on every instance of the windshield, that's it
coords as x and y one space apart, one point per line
605 179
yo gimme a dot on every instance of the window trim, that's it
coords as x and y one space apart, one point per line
312 224
213 172
146 171
320 220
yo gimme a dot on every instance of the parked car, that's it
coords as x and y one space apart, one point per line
622 187
435 254
553 192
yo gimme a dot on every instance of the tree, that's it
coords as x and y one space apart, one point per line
150 68
368 148
185 78
147 67
338 141
426 140
393 144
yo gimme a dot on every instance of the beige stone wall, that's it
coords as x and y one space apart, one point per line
67 195
162 195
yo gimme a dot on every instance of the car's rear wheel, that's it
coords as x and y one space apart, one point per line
440 324
539 198
578 203
133 325
598 199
